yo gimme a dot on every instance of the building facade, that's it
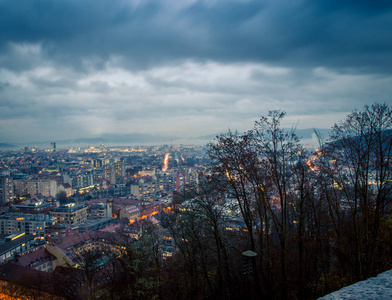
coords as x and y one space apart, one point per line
47 188
70 214
13 223
6 188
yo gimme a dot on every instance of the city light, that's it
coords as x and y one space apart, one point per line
166 162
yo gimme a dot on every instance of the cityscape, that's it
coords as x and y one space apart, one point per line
79 223
195 149
56 203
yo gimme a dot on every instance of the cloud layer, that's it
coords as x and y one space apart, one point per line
72 69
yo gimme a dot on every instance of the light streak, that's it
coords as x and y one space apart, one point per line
166 162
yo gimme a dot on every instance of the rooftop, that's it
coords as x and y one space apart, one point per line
8 242
70 207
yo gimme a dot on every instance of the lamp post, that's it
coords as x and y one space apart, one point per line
249 262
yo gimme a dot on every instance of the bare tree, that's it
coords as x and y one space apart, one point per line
266 171
357 171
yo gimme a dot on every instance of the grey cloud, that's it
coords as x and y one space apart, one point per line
348 34
89 67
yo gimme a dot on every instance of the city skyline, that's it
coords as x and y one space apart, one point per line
186 69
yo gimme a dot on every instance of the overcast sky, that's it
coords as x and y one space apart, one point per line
187 68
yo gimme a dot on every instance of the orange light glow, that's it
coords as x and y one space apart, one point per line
166 162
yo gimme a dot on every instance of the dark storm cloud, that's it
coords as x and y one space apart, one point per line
189 68
337 34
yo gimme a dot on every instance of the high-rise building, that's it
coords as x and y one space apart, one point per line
20 188
47 188
97 163
120 169
109 173
33 187
82 180
6 188
145 190
52 146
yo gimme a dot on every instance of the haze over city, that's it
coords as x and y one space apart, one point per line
186 69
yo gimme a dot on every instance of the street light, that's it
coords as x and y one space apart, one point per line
247 266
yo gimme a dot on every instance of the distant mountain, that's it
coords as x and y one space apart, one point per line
133 138
83 140
386 139
107 139
3 145
304 134
309 133
209 137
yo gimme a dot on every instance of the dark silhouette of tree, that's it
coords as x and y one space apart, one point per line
203 251
62 197
266 171
133 270
356 169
